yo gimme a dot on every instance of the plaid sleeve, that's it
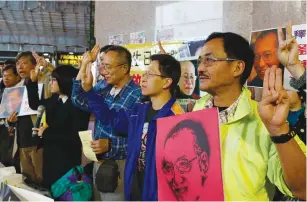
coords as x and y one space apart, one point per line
78 97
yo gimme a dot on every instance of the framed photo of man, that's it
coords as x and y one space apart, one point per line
11 101
265 46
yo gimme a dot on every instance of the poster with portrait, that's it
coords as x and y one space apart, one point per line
25 108
188 157
137 37
15 99
11 101
117 39
265 46
299 32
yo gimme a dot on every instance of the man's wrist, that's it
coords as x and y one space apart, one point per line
296 70
280 130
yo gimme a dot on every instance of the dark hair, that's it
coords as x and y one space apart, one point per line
9 62
169 67
235 46
266 33
105 48
123 54
65 74
27 54
12 67
198 131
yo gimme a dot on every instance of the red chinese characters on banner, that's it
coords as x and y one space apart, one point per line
303 63
137 78
302 49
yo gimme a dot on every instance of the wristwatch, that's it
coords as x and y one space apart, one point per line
283 138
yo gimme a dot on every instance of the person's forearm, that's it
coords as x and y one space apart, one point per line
296 70
293 163
81 71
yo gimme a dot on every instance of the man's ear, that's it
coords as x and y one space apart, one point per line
203 161
167 82
238 69
126 68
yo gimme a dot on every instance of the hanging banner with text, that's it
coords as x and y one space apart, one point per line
141 54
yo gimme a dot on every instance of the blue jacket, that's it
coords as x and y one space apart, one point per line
131 122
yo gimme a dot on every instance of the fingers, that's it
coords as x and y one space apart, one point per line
270 99
35 129
280 36
161 48
289 30
278 80
272 78
266 90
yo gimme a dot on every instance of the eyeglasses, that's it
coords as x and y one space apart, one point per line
108 67
149 75
183 165
208 60
186 77
266 56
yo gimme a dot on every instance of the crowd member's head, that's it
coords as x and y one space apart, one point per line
116 65
186 159
9 62
10 76
101 56
161 76
296 100
226 61
25 62
62 79
188 78
13 99
266 47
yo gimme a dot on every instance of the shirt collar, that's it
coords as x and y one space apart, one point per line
63 98
225 114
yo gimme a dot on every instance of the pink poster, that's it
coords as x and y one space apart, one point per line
188 157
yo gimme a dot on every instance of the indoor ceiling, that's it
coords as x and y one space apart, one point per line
44 25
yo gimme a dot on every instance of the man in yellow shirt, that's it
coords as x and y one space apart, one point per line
259 150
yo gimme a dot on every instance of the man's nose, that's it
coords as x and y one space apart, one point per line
178 177
262 62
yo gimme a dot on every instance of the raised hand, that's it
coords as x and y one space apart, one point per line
87 79
94 52
274 106
288 52
161 48
39 60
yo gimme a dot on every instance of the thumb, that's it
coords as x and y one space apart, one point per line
270 99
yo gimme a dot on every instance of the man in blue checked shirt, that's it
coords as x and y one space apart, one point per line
120 92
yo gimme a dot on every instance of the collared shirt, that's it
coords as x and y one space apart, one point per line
64 98
250 161
224 115
125 99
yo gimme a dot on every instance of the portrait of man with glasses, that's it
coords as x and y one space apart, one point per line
186 167
265 48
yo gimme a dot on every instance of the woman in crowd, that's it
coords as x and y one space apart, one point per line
62 146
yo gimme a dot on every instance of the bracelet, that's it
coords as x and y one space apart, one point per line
283 138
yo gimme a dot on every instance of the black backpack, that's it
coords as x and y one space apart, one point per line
107 176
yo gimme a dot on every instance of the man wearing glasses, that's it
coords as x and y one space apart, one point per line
187 81
258 148
119 92
265 49
185 174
